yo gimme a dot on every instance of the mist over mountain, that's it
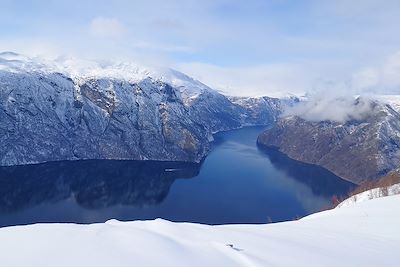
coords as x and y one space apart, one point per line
324 107
357 139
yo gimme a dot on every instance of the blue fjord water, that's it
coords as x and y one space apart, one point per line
238 182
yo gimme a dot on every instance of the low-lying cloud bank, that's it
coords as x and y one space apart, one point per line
352 99
322 107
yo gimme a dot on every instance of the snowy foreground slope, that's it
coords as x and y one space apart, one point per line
371 194
363 234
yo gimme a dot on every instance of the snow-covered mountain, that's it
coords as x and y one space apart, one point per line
358 150
359 234
69 109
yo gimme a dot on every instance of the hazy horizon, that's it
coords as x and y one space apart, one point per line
253 48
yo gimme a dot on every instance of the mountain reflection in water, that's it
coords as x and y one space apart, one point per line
238 182
321 181
92 184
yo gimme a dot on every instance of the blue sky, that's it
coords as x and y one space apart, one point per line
241 47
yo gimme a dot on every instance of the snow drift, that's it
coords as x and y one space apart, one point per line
362 234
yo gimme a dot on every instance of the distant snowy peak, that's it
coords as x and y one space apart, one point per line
102 69
392 100
188 87
81 69
13 62
12 56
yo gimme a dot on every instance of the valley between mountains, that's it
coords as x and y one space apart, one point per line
72 109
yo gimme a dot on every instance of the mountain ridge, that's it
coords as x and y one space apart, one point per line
111 112
357 150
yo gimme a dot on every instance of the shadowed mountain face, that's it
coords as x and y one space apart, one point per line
50 114
91 184
357 150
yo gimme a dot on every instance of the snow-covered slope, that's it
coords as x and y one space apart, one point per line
70 109
371 194
81 69
392 100
363 234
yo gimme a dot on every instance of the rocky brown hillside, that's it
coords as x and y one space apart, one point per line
386 181
357 150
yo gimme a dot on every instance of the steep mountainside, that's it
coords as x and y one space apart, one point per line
358 150
72 109
260 109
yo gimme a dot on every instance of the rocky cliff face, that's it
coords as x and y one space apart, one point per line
358 150
258 110
53 111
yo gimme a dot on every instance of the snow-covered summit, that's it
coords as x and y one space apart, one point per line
82 69
12 56
13 62
71 108
392 100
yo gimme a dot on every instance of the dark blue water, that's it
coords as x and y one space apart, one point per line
237 183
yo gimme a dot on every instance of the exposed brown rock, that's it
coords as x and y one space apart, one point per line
357 151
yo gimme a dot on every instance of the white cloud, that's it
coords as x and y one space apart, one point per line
384 77
330 107
250 81
274 79
252 48
32 47
391 71
336 101
107 28
162 47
